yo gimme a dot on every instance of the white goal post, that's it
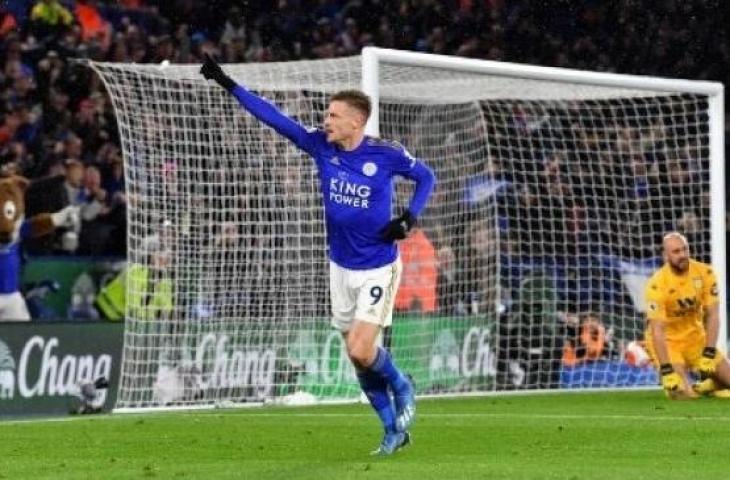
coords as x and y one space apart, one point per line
554 186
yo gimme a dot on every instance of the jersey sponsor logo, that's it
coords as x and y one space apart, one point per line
687 306
686 302
349 193
369 169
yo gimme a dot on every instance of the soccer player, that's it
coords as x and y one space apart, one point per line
356 179
683 322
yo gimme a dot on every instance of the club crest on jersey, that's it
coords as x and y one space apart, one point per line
369 169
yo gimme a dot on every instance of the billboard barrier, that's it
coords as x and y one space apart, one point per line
42 366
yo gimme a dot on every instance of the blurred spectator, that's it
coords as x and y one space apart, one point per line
57 115
132 4
9 128
83 295
417 292
150 294
447 290
83 187
50 18
477 268
88 125
114 176
234 27
7 22
587 340
93 26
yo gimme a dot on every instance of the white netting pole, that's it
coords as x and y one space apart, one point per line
717 200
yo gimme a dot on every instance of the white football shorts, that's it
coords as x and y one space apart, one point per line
364 295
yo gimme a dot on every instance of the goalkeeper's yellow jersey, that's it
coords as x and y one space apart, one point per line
679 301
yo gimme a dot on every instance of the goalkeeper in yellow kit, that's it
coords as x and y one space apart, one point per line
683 323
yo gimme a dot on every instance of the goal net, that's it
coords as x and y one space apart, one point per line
526 271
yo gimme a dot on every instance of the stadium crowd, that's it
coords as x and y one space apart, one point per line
57 125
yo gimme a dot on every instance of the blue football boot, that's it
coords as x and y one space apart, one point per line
392 442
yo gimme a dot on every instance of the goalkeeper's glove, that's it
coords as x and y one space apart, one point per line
707 366
671 381
212 71
398 228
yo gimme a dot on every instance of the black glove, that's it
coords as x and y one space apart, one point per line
398 228
212 71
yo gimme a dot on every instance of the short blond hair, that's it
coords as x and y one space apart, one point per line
675 234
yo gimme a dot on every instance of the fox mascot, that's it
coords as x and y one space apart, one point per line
14 228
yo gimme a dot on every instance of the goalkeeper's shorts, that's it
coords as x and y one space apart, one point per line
687 351
363 295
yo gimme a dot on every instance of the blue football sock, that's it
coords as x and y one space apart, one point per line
383 365
376 390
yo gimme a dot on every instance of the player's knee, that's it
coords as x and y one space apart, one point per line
361 354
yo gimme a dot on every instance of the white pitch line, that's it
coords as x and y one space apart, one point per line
486 415
546 416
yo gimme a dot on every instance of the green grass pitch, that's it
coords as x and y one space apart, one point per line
635 435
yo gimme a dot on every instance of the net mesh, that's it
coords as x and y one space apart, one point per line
550 201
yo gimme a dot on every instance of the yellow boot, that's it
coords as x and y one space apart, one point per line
721 393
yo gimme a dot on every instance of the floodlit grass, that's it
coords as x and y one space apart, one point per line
637 435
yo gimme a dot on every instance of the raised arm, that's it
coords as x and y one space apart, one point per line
259 107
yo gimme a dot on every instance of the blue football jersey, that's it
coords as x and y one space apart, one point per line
356 185
357 190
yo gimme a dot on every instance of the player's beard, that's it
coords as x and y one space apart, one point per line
680 266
